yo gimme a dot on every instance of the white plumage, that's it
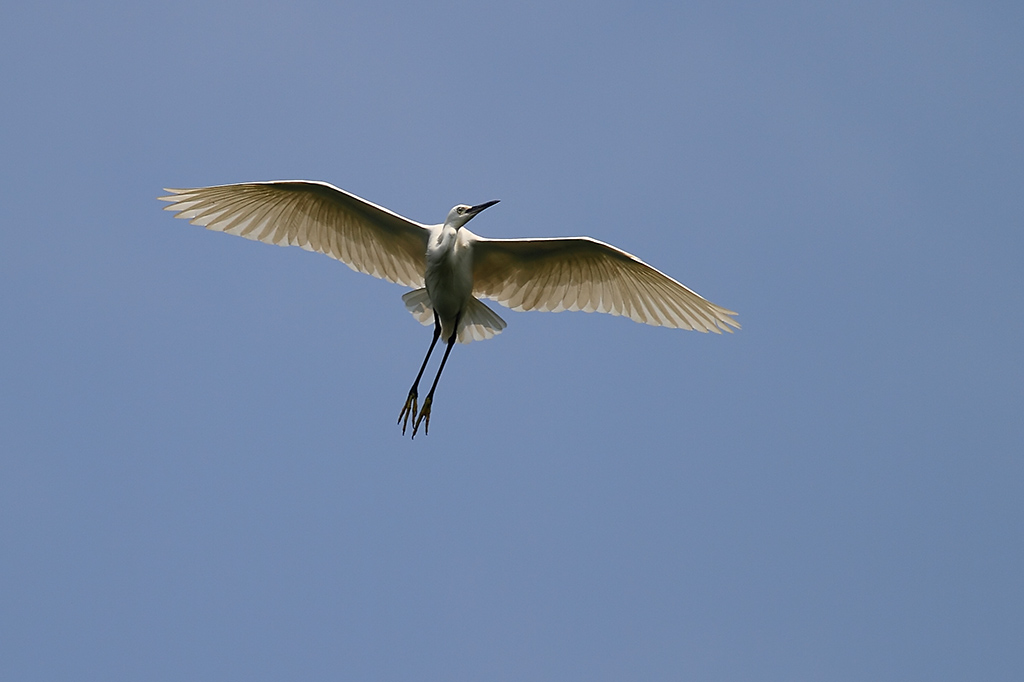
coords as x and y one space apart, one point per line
447 266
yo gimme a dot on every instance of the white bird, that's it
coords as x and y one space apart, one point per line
448 267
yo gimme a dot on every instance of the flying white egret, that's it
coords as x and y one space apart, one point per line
447 266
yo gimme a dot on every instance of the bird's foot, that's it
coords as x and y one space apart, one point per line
424 417
409 409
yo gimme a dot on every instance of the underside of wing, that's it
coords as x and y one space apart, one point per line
580 273
315 216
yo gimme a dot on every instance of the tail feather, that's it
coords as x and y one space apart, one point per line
477 324
417 302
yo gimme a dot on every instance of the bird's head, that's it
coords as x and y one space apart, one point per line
462 214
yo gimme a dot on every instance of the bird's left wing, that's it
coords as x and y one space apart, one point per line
580 273
315 216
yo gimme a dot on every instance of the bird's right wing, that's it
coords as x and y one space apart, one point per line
580 273
315 216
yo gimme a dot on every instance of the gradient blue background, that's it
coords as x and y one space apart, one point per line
201 477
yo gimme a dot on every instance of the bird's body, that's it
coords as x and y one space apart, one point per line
448 274
448 267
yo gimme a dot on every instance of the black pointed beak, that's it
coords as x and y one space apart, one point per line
473 210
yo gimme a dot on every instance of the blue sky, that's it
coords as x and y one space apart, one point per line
200 473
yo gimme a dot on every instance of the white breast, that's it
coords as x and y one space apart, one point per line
449 276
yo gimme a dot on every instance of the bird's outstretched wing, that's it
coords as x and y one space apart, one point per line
580 273
315 216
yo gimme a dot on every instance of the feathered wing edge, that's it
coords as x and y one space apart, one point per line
478 322
580 273
314 216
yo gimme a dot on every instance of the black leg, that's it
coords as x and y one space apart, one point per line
410 402
424 415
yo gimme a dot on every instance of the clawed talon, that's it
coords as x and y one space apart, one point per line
410 403
410 408
424 417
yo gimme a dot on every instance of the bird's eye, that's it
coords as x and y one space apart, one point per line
461 209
